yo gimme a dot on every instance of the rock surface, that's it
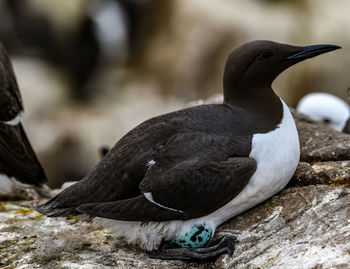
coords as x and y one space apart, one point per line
319 142
302 227
307 225
336 174
325 155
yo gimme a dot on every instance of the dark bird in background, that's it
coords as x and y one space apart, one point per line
19 166
176 177
101 39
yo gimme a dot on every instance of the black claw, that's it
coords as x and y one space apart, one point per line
229 241
224 245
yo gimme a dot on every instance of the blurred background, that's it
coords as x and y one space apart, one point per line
89 71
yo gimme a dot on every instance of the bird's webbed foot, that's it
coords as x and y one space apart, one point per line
223 245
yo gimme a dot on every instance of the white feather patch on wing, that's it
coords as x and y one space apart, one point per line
16 119
151 163
149 197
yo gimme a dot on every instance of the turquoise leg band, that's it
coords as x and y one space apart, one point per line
197 237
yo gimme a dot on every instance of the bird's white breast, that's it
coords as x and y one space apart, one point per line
277 155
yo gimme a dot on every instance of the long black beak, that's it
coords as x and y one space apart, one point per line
312 51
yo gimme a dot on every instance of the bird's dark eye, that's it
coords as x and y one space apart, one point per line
266 54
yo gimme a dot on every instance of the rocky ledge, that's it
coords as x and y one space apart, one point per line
307 225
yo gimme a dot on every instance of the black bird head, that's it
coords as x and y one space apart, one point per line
256 64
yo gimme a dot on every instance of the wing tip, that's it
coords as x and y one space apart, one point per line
53 208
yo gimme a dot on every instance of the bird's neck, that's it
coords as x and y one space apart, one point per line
260 100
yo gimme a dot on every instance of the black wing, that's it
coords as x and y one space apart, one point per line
185 182
194 193
10 97
17 158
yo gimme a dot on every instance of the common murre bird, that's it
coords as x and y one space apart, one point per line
326 108
178 176
19 166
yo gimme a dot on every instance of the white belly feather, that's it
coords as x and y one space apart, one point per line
277 154
9 185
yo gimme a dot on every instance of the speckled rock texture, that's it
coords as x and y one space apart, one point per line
30 240
307 225
319 142
325 154
302 227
